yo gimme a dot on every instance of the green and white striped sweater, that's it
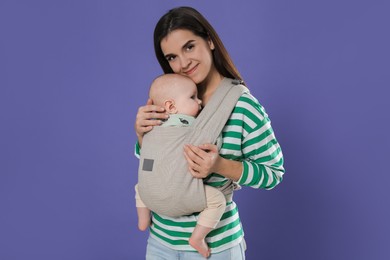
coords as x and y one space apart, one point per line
246 137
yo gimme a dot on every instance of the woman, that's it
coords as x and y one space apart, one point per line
185 43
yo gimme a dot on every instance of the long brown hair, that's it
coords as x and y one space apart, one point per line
190 19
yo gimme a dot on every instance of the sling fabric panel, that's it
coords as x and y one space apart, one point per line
164 182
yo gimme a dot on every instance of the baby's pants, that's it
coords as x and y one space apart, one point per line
210 216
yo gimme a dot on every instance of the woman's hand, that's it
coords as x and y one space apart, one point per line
201 159
148 116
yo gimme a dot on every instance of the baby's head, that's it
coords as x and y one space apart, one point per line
176 93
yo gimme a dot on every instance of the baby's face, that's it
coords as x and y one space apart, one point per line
187 101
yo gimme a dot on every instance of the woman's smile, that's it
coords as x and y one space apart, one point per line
191 71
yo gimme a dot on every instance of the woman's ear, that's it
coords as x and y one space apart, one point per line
170 106
211 44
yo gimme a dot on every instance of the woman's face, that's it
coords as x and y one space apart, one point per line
189 55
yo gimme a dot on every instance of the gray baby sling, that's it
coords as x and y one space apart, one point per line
165 185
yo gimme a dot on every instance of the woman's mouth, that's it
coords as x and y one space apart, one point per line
190 71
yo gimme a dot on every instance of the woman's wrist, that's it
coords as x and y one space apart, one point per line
228 168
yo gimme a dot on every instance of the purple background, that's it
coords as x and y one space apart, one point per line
73 73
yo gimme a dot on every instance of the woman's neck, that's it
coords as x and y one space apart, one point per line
208 86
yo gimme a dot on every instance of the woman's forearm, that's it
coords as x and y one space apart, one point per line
228 168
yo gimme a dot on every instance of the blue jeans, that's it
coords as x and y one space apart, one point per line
157 251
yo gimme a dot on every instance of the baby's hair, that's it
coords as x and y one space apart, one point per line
163 87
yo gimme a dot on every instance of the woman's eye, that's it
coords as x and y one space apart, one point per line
170 58
189 47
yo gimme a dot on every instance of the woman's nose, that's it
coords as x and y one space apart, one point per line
185 62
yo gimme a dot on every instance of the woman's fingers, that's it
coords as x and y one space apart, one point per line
194 153
200 160
148 116
192 166
151 112
209 148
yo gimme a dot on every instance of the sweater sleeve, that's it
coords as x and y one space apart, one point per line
137 150
261 153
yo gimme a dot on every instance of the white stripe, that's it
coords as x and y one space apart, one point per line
161 233
270 176
244 118
267 152
234 128
232 140
230 152
250 173
176 228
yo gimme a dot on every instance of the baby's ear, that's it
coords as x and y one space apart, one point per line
170 106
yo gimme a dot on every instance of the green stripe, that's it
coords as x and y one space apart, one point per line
232 134
248 114
217 183
269 157
244 172
235 147
231 157
174 223
257 172
178 242
222 229
137 148
253 103
259 138
172 233
265 175
226 240
229 213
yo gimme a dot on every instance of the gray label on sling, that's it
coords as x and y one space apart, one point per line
148 165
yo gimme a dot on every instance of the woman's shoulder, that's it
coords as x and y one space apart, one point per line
249 106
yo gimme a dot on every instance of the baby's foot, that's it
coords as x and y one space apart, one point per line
200 246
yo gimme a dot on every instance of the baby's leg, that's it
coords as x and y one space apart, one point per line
142 211
208 219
